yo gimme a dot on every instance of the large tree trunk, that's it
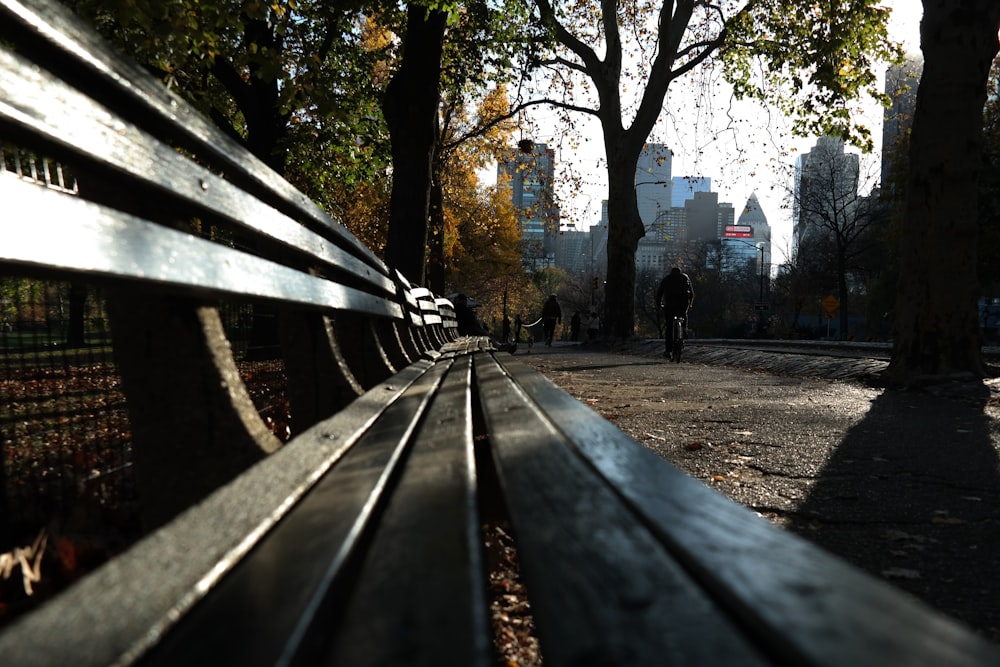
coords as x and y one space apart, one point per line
936 332
410 108
624 231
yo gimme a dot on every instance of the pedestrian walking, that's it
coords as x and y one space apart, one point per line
593 327
551 316
574 326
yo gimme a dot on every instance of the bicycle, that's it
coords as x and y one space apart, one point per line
677 338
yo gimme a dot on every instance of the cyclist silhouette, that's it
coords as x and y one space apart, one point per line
675 295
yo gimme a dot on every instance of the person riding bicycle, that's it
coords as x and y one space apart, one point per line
675 295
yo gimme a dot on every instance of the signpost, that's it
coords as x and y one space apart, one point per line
830 305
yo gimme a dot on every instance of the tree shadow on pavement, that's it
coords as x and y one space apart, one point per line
912 495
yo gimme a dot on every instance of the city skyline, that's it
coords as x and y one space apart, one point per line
753 153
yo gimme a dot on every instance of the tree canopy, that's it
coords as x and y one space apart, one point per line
616 60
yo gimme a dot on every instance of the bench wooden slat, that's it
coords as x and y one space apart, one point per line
602 589
78 129
103 243
57 40
421 597
162 577
806 605
274 606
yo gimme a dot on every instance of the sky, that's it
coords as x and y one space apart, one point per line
741 146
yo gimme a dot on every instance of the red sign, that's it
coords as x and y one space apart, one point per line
738 232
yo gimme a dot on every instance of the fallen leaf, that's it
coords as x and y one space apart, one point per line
692 446
943 518
900 573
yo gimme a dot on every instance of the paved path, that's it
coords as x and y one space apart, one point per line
904 484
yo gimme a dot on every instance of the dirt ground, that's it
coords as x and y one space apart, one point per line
905 485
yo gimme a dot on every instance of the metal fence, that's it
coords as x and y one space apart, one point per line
68 498
65 440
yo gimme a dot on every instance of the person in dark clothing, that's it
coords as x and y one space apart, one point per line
594 327
675 296
465 317
551 315
574 326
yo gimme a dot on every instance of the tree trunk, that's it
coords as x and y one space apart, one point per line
624 231
845 302
624 224
410 108
936 332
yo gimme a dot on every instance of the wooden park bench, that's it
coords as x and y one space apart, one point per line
360 541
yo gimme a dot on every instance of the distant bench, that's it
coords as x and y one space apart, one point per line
360 542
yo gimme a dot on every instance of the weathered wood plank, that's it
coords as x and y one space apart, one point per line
421 597
83 132
160 579
275 606
806 606
58 41
603 590
103 243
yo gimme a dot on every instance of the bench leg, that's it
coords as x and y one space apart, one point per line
320 382
194 425
360 344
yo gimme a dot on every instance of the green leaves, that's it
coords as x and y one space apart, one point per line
812 60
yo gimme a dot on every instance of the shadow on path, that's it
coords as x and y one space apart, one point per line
912 494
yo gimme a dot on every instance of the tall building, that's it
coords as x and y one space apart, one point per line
825 178
686 186
573 251
531 177
652 252
748 240
702 219
705 219
653 186
901 83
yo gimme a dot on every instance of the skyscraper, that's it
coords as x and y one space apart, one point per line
901 83
531 177
825 178
686 186
653 187
742 241
704 221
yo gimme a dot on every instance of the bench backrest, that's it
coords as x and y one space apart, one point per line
173 218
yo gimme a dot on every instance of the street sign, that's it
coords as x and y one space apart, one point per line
762 306
830 305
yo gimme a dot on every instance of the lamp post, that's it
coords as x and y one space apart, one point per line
761 305
593 276
760 246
